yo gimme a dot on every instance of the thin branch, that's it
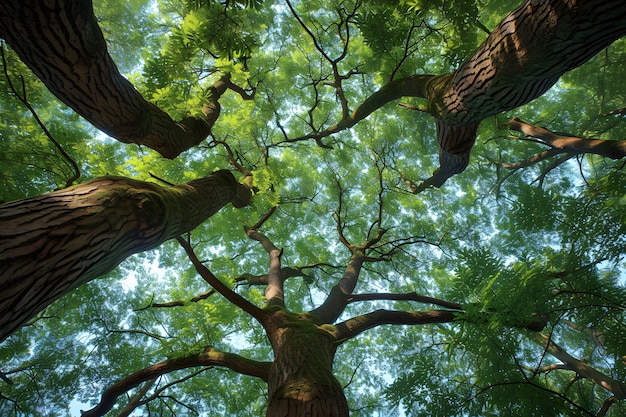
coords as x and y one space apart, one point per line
605 406
412 86
220 287
308 31
159 390
136 399
542 388
179 303
24 100
542 156
263 219
412 296
581 368
133 331
555 164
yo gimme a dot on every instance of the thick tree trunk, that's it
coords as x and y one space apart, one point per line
55 242
61 42
522 58
526 54
301 381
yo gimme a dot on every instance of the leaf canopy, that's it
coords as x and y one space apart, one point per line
508 243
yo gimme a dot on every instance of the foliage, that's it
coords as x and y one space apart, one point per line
512 247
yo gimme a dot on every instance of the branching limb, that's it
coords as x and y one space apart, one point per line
274 293
285 273
581 368
605 406
549 391
356 325
178 303
571 144
542 156
246 95
556 163
412 86
337 300
136 400
159 390
219 286
209 357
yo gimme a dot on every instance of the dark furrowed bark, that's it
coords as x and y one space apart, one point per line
61 42
522 58
51 244
301 381
527 53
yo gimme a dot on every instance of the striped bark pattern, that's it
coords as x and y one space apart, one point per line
522 58
61 42
527 53
51 244
301 381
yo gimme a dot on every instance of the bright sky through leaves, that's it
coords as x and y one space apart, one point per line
514 238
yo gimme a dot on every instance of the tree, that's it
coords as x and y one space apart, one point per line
512 274
53 243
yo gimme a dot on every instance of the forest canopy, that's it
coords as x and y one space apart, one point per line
346 226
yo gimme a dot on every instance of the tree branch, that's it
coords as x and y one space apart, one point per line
581 368
220 287
274 292
136 400
337 300
412 296
356 325
412 86
209 357
73 62
179 303
22 98
571 144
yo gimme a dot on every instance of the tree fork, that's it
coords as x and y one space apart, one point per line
53 243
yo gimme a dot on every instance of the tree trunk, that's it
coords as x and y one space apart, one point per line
522 58
51 244
61 42
301 381
526 54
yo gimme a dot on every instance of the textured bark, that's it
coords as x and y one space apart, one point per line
337 300
51 244
61 42
522 58
526 54
301 381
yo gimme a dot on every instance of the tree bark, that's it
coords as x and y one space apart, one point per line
53 243
526 54
301 381
519 61
61 42
522 58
